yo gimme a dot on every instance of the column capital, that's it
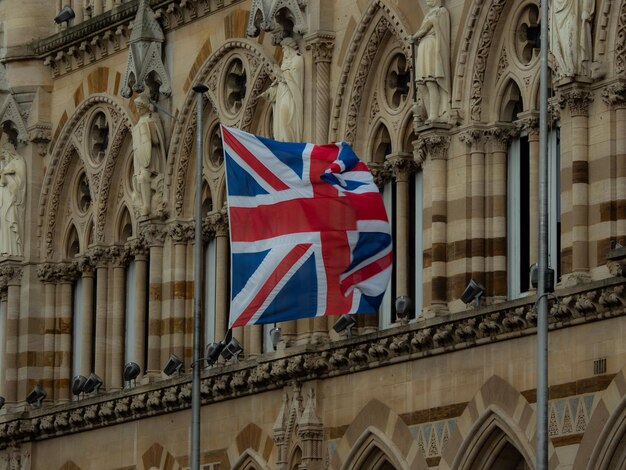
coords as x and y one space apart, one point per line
475 137
321 44
500 135
433 145
577 98
10 274
380 173
401 165
181 232
153 233
614 94
67 272
118 256
137 247
218 223
528 121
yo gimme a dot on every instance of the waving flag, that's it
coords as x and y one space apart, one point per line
308 229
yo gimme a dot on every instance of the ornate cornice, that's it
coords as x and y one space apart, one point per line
274 371
109 33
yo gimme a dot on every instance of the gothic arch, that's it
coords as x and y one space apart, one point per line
72 241
379 25
377 425
497 417
252 445
505 98
158 458
124 224
63 152
183 135
603 446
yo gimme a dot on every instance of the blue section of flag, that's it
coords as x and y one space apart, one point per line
287 152
247 264
240 182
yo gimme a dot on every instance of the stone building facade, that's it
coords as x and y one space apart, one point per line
92 276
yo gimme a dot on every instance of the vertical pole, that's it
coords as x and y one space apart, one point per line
197 289
542 300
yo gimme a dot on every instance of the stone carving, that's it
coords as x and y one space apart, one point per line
570 39
11 117
265 16
432 62
12 201
286 94
148 157
145 63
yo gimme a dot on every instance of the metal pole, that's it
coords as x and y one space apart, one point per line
197 290
542 299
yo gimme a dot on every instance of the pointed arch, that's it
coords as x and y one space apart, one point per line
509 100
69 465
379 25
124 225
496 426
603 446
183 135
72 242
251 446
65 148
380 144
378 426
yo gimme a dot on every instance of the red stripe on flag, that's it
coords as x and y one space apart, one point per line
273 280
366 272
253 162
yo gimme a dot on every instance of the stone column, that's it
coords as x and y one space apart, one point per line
11 276
495 213
614 95
180 236
63 330
154 236
48 276
86 339
219 222
321 47
3 365
402 167
139 251
475 209
102 291
530 123
431 151
115 362
576 223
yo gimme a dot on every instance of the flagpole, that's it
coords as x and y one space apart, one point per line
197 289
542 299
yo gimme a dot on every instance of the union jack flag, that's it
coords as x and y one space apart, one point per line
308 229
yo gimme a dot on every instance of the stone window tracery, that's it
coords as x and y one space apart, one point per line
215 150
83 194
527 34
98 138
397 81
235 85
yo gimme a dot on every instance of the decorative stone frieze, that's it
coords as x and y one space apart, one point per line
438 335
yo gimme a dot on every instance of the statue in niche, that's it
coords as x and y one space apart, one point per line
12 201
286 94
432 62
570 32
148 155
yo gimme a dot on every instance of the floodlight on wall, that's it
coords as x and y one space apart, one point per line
2 402
36 396
403 306
93 384
78 385
232 349
173 366
473 291
131 371
66 15
549 280
213 352
345 322
275 336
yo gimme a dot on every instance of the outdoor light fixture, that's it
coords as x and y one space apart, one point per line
36 396
131 371
92 384
173 366
473 291
66 15
275 336
403 306
213 352
549 280
345 322
78 384
2 401
232 349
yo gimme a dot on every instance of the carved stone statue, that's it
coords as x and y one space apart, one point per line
432 62
148 156
570 36
12 201
286 94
